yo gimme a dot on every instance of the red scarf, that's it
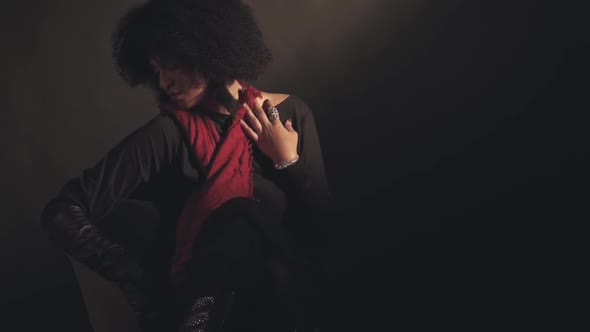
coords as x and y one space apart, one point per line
227 165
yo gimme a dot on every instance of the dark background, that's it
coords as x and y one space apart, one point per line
447 127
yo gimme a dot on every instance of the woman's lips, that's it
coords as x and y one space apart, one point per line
175 96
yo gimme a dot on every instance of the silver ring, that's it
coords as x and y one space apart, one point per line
272 113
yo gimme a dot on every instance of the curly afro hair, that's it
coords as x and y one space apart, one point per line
217 38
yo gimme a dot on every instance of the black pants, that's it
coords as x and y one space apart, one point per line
242 248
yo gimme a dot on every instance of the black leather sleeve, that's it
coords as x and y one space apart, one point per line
67 225
71 218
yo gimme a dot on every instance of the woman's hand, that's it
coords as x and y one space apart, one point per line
277 141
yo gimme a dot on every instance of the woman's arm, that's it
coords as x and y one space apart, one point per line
70 218
310 201
305 181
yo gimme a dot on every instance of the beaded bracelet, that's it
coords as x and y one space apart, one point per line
286 163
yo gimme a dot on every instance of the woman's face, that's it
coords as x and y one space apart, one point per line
185 90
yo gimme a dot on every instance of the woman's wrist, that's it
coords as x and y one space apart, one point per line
286 162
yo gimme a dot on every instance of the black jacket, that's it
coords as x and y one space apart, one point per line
154 163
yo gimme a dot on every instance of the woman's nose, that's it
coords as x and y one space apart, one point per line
165 82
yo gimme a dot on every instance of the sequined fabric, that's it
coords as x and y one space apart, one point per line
199 315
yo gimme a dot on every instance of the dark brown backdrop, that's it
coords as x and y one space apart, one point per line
433 115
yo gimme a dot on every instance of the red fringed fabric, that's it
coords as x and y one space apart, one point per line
227 164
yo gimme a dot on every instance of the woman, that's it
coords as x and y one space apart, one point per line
236 173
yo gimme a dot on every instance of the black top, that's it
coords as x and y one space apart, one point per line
155 163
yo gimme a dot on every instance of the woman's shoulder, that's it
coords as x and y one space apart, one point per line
276 98
157 128
288 103
161 122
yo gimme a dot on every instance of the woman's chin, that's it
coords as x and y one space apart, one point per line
179 103
184 104
190 102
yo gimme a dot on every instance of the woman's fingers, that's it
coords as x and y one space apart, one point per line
260 113
254 122
249 131
289 126
272 113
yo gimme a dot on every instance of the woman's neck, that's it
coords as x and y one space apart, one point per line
216 107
